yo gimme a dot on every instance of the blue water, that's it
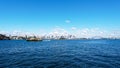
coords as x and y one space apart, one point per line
60 54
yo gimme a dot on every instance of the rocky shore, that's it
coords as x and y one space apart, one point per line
4 37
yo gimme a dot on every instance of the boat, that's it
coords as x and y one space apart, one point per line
33 39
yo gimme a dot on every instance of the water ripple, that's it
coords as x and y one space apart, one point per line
60 54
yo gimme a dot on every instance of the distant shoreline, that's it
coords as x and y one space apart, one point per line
4 37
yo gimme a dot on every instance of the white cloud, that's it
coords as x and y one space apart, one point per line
67 21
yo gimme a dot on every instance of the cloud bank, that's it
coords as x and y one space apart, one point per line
78 33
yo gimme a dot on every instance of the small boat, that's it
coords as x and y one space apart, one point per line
34 39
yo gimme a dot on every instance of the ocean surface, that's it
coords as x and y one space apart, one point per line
60 54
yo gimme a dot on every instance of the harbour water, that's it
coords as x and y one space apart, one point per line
60 54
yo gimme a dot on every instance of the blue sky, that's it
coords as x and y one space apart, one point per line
35 15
